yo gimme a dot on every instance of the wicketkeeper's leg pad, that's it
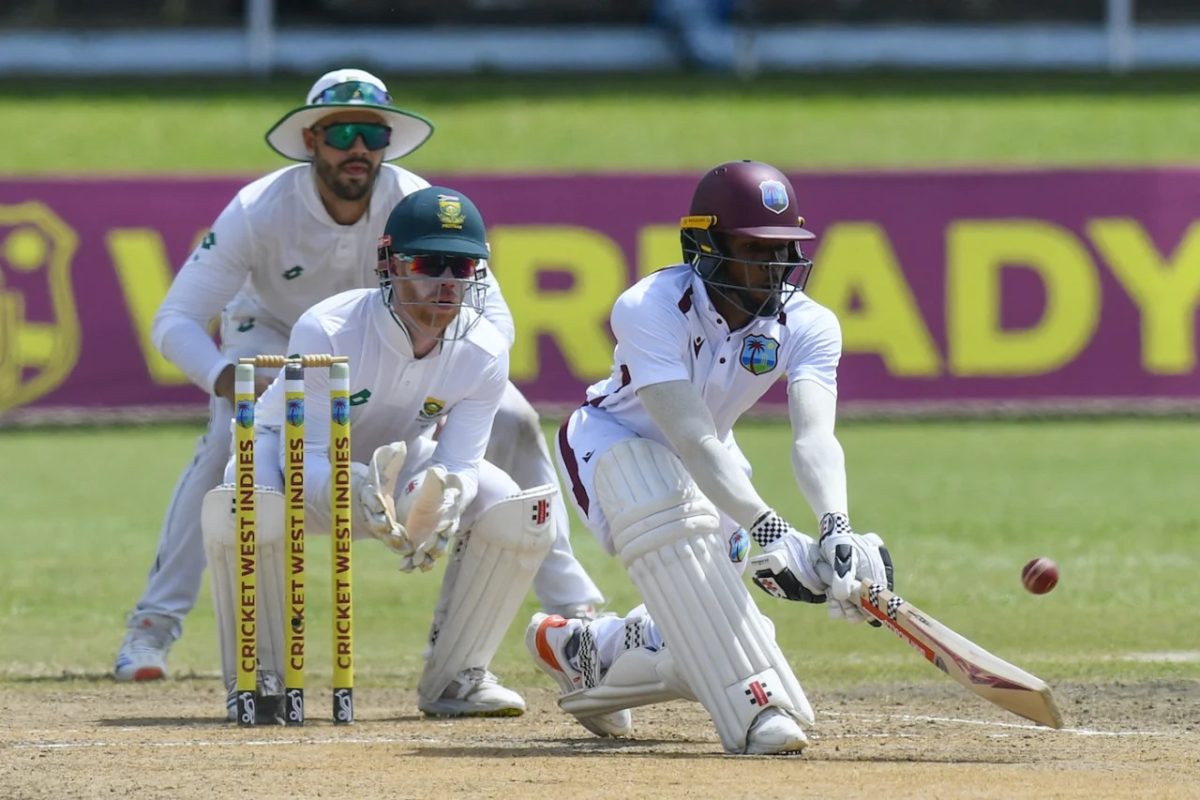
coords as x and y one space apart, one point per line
218 520
488 576
667 534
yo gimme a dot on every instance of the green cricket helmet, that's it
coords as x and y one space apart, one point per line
433 255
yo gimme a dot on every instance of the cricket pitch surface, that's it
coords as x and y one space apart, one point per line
91 738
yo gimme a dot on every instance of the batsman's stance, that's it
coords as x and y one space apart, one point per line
654 471
420 352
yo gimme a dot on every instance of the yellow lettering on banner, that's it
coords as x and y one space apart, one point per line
975 253
1165 291
145 274
856 263
575 317
657 247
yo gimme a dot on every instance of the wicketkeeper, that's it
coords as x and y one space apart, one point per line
421 354
284 243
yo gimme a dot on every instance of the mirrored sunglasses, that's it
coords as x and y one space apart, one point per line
434 266
353 92
341 135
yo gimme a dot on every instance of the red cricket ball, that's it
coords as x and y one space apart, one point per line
1040 575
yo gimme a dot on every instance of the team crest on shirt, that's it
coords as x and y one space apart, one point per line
774 196
432 407
450 212
760 354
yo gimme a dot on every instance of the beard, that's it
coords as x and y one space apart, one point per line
347 187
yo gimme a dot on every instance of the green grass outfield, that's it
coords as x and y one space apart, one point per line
617 124
962 504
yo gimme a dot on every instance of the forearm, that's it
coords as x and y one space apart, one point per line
688 426
188 346
818 461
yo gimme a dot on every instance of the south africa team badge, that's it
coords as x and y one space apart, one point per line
760 354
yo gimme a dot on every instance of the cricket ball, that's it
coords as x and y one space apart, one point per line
1040 575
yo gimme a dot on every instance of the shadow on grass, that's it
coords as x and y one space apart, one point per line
492 89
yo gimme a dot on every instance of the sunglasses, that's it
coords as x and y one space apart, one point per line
352 92
341 135
434 266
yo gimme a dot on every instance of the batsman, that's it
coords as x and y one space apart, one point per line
654 471
421 355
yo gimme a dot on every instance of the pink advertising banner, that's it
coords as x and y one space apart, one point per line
1055 287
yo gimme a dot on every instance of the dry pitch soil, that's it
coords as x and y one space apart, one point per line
96 739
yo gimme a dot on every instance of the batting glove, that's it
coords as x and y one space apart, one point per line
848 557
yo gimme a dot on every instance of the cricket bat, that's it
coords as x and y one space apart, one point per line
985 674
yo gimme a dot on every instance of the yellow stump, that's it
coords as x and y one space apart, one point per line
293 571
343 605
247 675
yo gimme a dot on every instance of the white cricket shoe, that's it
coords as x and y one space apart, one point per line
555 645
474 692
143 653
774 732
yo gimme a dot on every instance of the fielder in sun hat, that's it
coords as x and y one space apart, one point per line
348 89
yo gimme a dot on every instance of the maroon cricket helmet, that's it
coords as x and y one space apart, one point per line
748 199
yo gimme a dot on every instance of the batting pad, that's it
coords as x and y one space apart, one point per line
638 677
218 520
667 534
488 576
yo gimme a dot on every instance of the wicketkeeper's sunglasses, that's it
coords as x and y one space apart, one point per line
341 135
434 266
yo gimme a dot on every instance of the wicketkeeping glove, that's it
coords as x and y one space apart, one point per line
433 518
376 497
849 557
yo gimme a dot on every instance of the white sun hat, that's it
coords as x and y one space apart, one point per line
348 89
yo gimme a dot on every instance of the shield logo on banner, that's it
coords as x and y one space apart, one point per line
760 354
39 327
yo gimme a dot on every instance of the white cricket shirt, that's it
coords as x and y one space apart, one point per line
667 329
394 396
276 244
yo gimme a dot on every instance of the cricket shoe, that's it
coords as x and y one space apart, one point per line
474 692
143 653
268 699
773 732
563 651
